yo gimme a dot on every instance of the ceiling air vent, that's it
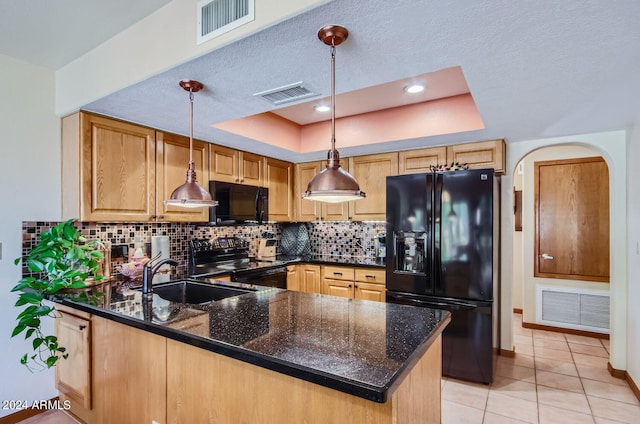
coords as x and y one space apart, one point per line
286 94
215 17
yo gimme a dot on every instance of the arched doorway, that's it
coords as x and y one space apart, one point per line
612 147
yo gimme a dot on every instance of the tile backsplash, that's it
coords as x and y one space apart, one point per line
325 238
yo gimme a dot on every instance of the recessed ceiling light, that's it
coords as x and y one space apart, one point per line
414 88
322 108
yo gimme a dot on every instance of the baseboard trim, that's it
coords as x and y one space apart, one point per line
565 330
615 372
508 353
517 311
23 414
632 384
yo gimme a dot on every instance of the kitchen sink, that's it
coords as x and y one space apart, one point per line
195 293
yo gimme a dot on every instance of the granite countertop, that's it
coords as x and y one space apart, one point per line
358 347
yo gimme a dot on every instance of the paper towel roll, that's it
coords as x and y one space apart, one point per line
160 248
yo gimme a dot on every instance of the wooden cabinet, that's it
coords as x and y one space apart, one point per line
354 283
293 277
480 155
172 160
125 363
371 172
370 284
420 160
235 166
108 169
279 181
121 172
309 278
73 375
306 210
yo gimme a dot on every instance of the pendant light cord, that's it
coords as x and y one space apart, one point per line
191 165
333 95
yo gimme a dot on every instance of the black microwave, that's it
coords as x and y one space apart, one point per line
238 204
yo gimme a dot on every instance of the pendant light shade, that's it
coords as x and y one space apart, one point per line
333 184
191 194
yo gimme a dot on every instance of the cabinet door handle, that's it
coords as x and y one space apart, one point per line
369 276
546 256
349 285
82 327
337 273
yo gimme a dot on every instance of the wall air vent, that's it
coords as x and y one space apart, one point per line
286 94
575 308
215 17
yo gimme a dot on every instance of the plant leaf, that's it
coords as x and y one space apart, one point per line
37 342
19 329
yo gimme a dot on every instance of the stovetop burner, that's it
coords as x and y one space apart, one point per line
209 257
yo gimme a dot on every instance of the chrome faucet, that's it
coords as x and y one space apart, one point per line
149 270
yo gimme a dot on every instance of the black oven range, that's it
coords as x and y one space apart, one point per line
209 258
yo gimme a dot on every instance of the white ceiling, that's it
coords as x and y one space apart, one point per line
53 33
535 69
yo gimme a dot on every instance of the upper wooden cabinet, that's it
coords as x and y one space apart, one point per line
117 171
421 160
172 160
371 172
108 169
306 210
235 166
279 181
480 155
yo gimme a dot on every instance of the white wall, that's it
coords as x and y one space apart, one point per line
29 190
612 146
633 235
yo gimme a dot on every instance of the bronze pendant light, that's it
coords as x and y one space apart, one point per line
333 184
191 194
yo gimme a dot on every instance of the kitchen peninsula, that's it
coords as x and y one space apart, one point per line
266 356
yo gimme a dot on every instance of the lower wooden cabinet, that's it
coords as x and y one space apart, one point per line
73 375
354 283
128 366
309 278
293 277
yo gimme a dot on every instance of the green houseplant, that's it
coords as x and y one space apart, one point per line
62 260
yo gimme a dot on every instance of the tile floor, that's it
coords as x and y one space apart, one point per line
554 378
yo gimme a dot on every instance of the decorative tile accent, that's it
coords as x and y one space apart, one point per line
326 238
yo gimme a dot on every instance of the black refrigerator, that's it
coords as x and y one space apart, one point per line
440 254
